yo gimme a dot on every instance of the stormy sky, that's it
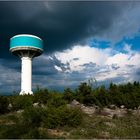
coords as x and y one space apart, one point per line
82 40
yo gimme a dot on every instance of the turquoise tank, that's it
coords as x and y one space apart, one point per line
26 42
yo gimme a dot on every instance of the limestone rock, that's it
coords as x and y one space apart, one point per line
74 103
88 110
35 104
136 112
112 106
107 112
122 106
20 111
113 112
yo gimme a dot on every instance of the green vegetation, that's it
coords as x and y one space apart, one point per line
103 127
20 102
4 102
46 114
127 95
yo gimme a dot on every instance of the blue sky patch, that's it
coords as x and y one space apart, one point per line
99 43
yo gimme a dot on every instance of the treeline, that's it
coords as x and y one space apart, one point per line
123 94
127 95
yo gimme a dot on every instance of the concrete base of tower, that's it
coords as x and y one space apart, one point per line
26 93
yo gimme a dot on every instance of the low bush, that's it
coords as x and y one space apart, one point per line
12 132
41 96
20 131
51 117
21 102
68 95
4 102
56 100
62 116
32 117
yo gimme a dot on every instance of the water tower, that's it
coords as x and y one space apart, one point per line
26 47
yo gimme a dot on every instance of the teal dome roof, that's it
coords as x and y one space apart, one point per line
26 41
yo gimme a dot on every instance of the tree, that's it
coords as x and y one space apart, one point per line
68 94
41 96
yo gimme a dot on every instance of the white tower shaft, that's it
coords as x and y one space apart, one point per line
26 75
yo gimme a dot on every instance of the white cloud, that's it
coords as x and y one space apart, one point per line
120 59
80 55
57 68
107 64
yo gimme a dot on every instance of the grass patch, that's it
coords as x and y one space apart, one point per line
103 127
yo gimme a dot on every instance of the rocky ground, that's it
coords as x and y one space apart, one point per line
110 122
111 111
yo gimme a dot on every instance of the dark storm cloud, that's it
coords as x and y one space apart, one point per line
11 64
59 24
45 66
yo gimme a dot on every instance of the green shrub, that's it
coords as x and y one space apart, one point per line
56 100
12 131
41 96
51 117
83 90
21 102
34 133
62 116
68 95
20 131
32 117
71 117
4 102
